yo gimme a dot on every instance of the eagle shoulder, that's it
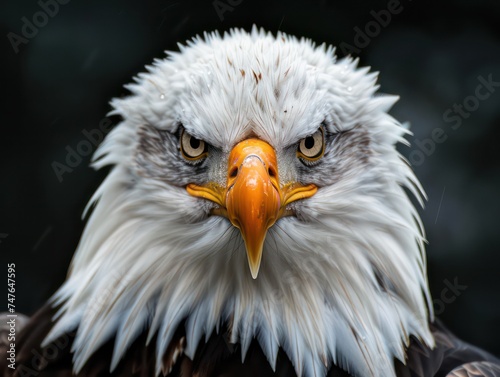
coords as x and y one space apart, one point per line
217 357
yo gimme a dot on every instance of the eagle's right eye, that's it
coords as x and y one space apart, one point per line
192 149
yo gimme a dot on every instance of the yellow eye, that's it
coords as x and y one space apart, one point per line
192 148
312 147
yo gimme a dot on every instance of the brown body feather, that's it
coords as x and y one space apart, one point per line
218 358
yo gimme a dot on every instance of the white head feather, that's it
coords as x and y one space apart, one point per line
343 282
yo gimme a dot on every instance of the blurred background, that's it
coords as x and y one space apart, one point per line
62 64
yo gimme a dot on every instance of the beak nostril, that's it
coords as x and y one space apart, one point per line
271 172
234 172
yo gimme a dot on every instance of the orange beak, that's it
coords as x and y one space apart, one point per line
253 199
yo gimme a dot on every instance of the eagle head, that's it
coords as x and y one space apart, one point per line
256 187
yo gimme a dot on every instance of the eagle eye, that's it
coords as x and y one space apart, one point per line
192 149
311 148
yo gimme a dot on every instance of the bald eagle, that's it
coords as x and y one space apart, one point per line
256 222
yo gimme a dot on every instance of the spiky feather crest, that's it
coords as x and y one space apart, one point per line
343 282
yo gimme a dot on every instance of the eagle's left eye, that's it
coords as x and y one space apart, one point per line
311 148
192 148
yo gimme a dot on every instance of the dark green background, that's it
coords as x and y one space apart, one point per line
431 54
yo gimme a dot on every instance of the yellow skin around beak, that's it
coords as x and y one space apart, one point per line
253 199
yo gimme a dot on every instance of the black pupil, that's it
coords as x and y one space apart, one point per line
309 142
194 143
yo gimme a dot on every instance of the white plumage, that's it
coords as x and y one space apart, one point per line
343 281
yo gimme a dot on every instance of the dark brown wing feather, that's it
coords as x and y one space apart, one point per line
218 358
450 352
482 369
